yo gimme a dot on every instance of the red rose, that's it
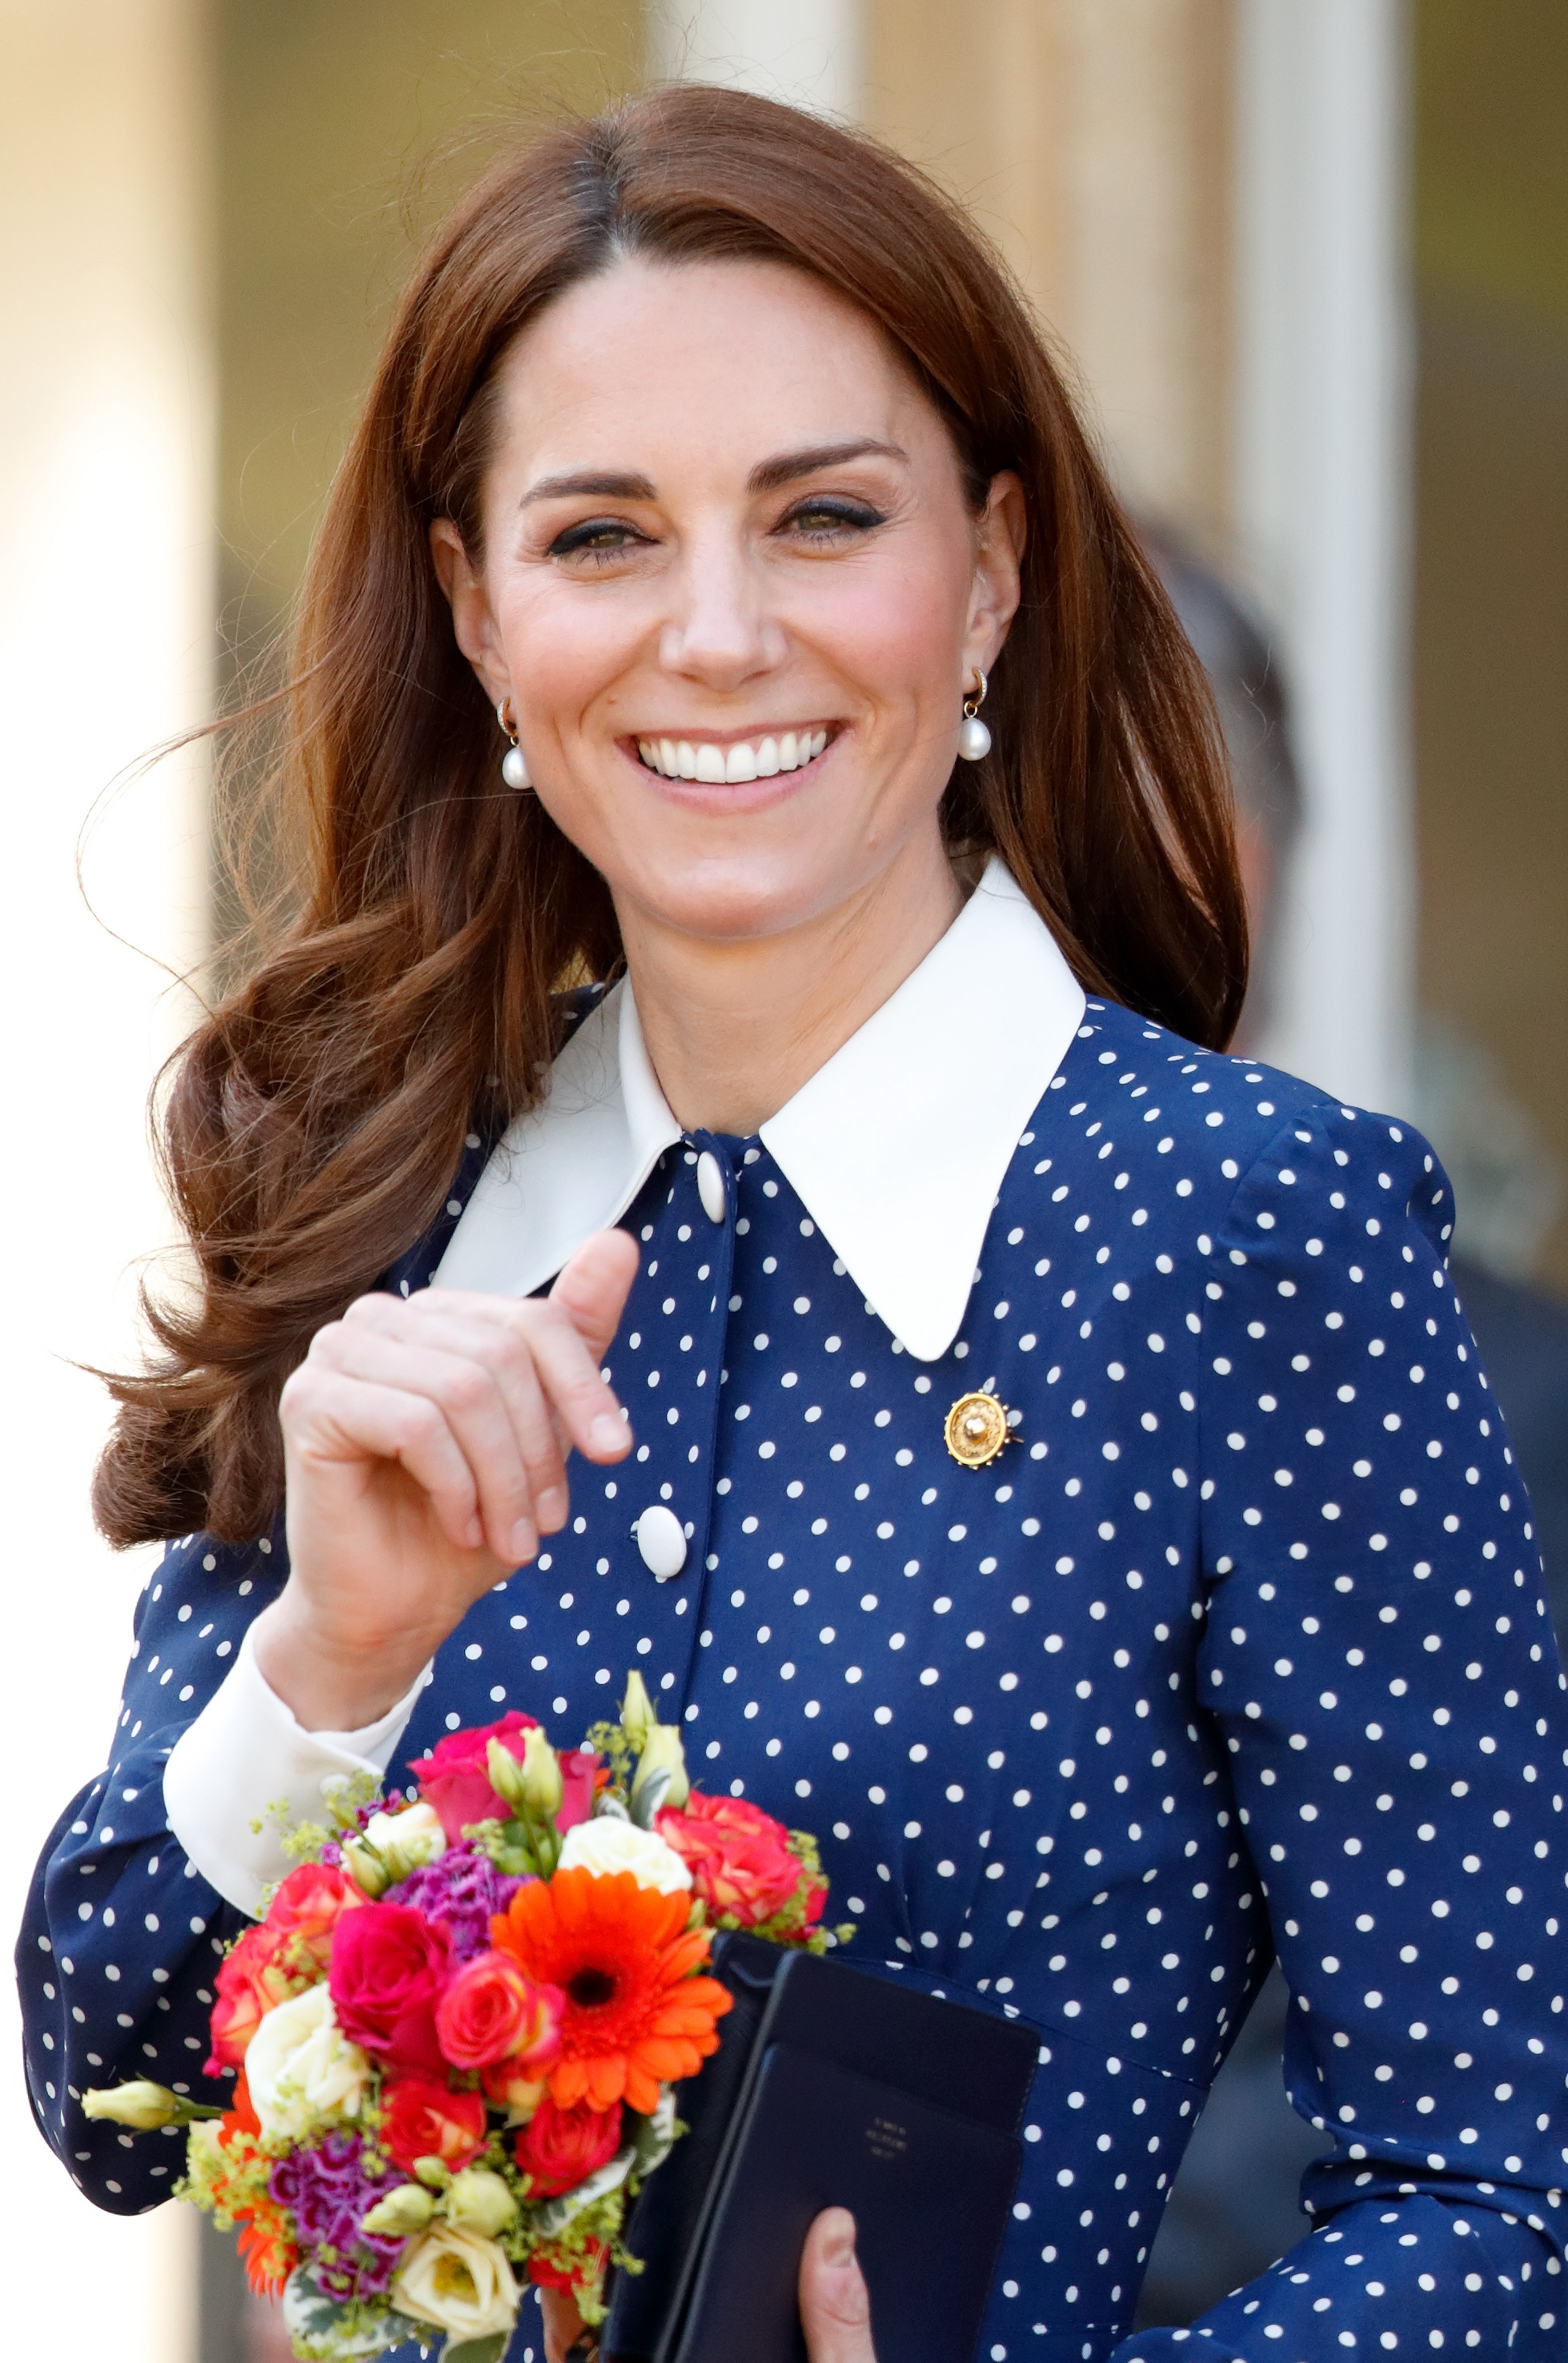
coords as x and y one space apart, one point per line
454 1779
421 2119
389 1967
287 1952
492 2011
738 1858
308 1905
545 2274
559 2148
250 1981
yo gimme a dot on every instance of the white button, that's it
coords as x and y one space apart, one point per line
662 1540
710 1187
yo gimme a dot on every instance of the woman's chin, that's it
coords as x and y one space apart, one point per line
730 896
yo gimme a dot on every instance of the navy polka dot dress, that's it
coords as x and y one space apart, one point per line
1237 1648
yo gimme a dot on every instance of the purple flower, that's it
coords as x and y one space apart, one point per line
328 2192
462 1891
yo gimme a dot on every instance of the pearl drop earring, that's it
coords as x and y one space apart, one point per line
514 763
973 738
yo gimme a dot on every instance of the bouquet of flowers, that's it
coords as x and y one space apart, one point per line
455 2032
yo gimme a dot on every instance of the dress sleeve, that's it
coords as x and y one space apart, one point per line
122 1933
1377 1656
245 1753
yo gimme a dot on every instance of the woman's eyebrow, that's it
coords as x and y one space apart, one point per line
769 476
603 484
774 474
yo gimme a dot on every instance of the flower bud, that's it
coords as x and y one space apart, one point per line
368 1869
390 1845
433 2172
661 1779
480 2201
637 1713
142 2105
543 1786
406 2209
505 1773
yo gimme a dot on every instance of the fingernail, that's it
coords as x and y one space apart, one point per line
525 1542
552 1506
839 2248
609 1434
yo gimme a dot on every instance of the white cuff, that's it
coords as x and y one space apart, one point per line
243 1753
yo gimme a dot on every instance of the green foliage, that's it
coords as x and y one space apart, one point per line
611 1742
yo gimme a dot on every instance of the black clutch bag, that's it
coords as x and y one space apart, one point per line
829 2088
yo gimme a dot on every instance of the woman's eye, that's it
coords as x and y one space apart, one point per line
825 520
594 538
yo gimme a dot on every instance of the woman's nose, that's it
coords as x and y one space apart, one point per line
721 632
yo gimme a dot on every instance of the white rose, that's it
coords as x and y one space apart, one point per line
607 1845
300 2069
458 2281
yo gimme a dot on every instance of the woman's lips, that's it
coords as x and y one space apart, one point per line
735 762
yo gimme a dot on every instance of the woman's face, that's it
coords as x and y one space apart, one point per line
725 530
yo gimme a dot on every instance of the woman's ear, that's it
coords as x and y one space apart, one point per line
999 540
473 626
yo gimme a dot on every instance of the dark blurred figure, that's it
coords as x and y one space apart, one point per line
1234 2207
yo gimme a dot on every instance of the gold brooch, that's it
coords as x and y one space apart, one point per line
976 1429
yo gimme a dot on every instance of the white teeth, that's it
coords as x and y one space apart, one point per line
744 759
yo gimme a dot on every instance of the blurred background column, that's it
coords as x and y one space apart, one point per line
1205 199
105 634
1321 495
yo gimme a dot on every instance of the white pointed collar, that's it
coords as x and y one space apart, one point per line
897 1146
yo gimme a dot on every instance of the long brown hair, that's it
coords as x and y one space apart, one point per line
314 1120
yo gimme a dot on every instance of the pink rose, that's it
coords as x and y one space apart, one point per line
454 1777
578 1772
738 1858
492 2011
389 1967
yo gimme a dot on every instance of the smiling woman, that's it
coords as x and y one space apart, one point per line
1050 1446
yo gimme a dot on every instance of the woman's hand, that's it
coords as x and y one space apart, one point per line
425 1441
835 2311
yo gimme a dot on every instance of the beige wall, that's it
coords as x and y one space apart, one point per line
105 645
1093 138
342 132
1491 670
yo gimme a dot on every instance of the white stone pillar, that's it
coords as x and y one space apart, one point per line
808 51
1321 504
106 642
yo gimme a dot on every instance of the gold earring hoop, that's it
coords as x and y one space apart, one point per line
973 738
514 763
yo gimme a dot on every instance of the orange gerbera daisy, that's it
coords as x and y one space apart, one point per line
637 2015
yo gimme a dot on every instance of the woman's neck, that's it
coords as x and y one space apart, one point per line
734 1029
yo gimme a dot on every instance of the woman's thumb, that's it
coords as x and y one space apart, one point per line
594 1286
835 2311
